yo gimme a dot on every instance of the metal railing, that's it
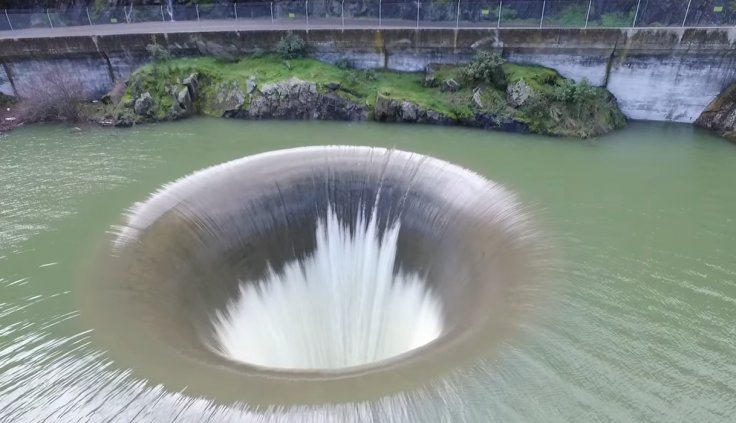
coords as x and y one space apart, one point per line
418 13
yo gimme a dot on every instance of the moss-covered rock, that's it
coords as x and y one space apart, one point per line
524 98
720 115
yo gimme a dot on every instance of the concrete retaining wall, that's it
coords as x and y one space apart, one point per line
5 86
668 74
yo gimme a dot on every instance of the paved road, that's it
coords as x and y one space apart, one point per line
238 25
225 25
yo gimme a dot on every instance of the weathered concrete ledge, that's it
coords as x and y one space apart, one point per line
668 74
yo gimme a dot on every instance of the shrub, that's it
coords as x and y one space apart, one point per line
578 98
568 92
291 47
486 67
617 19
6 100
55 96
369 75
158 52
344 64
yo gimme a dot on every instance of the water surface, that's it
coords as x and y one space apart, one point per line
644 220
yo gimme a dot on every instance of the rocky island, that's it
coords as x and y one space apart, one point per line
487 92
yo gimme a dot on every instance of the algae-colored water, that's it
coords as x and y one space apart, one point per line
644 221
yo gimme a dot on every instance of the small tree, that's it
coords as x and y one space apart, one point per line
486 67
291 47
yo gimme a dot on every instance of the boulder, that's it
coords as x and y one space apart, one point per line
126 119
297 99
408 111
430 75
250 85
496 122
144 105
228 99
476 97
449 85
391 110
290 95
333 107
183 106
720 115
333 86
437 118
518 93
387 109
192 84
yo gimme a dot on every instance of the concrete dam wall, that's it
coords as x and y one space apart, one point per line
667 74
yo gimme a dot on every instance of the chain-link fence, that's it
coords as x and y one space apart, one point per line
393 13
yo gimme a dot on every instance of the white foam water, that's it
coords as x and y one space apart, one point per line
342 306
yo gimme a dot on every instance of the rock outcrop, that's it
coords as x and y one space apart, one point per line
297 99
720 115
517 94
497 122
145 106
227 101
392 110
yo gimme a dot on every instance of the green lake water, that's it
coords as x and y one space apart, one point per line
642 328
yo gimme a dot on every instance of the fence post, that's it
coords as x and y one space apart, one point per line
380 13
196 7
636 15
457 16
8 18
235 8
342 14
500 5
686 12
419 4
306 9
544 6
88 18
51 24
587 16
271 13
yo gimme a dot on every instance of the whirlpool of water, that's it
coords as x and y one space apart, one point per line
318 275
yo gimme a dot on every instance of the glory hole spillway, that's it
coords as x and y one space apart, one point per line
363 277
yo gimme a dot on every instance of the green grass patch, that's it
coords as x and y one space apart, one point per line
539 78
